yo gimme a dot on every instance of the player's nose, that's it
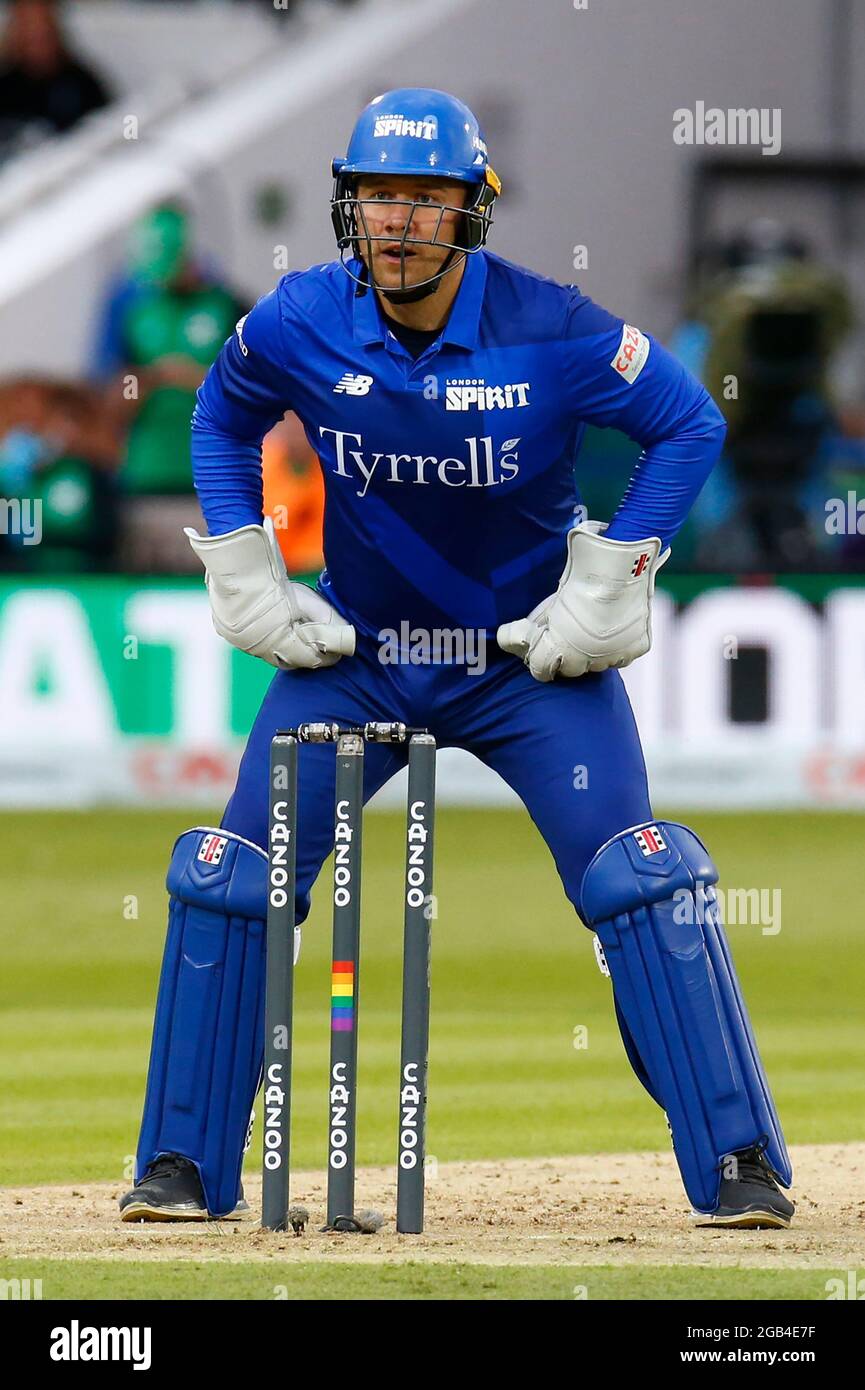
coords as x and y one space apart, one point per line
397 215
396 221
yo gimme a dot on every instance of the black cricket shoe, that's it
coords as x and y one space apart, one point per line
751 1198
171 1191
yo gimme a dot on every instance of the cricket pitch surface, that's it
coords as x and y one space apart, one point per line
622 1209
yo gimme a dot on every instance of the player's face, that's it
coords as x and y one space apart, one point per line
385 210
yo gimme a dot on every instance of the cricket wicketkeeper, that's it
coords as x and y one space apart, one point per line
446 391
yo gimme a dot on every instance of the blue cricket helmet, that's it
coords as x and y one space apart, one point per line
424 132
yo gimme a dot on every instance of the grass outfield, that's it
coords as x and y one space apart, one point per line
513 977
109 1279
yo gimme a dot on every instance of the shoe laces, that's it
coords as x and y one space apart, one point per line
753 1165
167 1166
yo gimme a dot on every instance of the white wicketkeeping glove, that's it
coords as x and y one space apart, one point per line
258 609
600 615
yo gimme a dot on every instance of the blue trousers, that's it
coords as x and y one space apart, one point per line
569 749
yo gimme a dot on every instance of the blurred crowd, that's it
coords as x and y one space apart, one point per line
770 330
772 333
108 458
45 88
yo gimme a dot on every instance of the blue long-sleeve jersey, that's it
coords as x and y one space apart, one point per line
449 477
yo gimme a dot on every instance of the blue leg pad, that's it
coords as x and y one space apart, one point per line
208 1034
649 894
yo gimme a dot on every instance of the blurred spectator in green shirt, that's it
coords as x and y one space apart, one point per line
162 327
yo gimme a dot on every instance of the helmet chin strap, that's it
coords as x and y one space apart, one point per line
411 296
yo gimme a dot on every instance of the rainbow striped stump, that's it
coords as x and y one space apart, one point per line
342 997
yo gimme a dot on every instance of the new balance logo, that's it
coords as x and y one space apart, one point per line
353 384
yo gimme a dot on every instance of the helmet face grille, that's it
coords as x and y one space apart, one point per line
417 132
352 230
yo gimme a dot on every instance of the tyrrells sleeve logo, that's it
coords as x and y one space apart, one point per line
631 357
238 328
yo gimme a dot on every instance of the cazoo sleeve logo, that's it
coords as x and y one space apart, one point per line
632 353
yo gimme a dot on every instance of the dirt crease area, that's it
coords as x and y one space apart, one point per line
619 1209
